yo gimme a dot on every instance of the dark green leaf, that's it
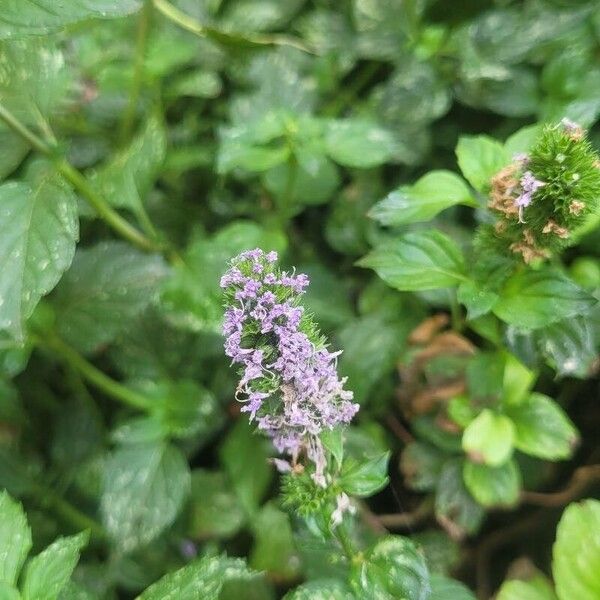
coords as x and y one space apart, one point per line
365 478
493 486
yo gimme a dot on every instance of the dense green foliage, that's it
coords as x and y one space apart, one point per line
432 166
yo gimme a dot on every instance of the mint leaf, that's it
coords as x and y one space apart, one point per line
15 538
365 478
480 158
493 486
489 438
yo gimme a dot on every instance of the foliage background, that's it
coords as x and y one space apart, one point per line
168 138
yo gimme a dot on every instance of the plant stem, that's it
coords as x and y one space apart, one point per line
95 376
143 29
81 185
344 539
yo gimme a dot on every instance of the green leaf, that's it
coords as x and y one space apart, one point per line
455 508
477 299
517 381
489 438
8 592
522 140
214 507
235 153
204 578
479 158
13 150
444 588
38 231
542 428
33 17
145 486
423 260
244 455
576 552
321 589
421 465
360 144
274 549
534 299
191 297
333 440
535 588
108 285
15 538
423 200
393 569
365 478
493 486
49 572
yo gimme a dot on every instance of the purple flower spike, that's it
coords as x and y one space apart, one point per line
529 185
289 383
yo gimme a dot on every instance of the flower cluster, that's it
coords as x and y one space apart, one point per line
289 383
557 182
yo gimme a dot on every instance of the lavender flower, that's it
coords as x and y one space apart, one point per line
289 383
529 185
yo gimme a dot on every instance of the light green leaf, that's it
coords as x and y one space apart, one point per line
237 154
489 438
477 299
423 200
493 486
444 588
536 588
479 158
49 572
33 17
517 380
38 231
333 440
13 150
542 428
423 260
321 589
522 140
204 578
576 552
534 299
366 477
108 285
15 538
360 144
144 489
393 569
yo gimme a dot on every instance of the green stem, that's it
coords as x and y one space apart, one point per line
96 377
455 312
81 185
143 29
345 542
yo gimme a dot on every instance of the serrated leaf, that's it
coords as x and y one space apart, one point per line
49 572
145 486
360 144
38 231
33 17
576 552
423 200
479 158
423 260
534 299
542 428
489 438
15 538
204 578
365 478
393 568
493 486
108 285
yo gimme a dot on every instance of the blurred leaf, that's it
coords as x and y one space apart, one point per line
321 589
49 572
40 16
576 552
15 538
489 438
493 486
423 260
244 456
365 478
108 285
479 158
441 552
535 588
333 440
274 549
359 144
191 297
214 508
423 200
476 299
534 299
421 465
443 588
13 150
542 428
517 380
393 568
38 231
204 578
145 486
